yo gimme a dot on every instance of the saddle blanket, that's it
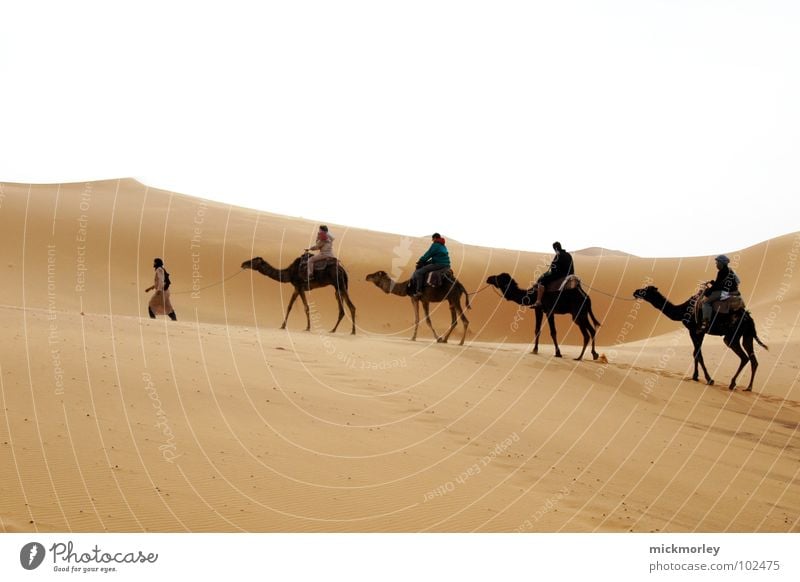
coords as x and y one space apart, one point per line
562 284
729 305
320 265
436 278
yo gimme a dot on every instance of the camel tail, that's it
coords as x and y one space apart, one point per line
466 295
591 313
342 280
588 301
755 335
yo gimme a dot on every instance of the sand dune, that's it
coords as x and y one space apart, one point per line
222 422
600 251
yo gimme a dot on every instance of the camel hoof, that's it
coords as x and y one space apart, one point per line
558 355
595 355
440 340
710 382
732 387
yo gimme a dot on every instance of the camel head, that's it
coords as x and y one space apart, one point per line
377 277
502 281
253 263
646 293
382 280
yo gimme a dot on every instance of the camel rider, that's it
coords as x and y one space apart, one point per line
436 258
561 266
725 285
324 245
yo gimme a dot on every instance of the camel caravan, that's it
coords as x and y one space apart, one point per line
717 308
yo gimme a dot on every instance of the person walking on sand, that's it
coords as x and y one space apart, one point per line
324 245
159 302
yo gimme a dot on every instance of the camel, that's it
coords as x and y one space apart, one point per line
737 330
451 292
574 302
333 274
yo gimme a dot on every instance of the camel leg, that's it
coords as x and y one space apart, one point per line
289 309
453 323
733 344
308 311
585 313
415 305
427 312
352 309
465 321
537 331
747 342
695 352
341 310
586 327
697 342
583 323
551 321
709 379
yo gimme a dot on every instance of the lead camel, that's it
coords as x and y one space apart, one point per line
738 333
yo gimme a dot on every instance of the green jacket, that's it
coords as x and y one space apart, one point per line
436 255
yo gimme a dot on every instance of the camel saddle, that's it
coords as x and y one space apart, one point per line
438 277
563 284
318 266
732 303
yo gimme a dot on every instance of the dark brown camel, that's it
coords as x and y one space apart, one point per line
333 274
737 330
451 292
574 302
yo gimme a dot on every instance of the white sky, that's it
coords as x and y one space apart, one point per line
662 128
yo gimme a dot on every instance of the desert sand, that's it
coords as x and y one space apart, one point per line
221 421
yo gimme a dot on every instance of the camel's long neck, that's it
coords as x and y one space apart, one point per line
517 295
394 288
682 312
282 275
